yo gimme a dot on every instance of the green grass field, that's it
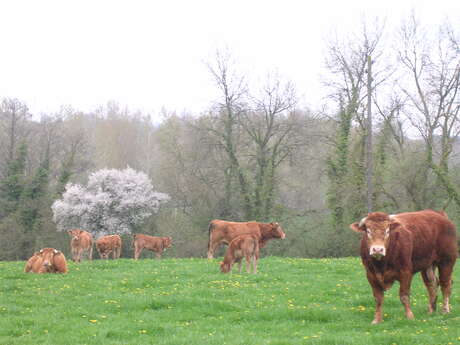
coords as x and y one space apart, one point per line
188 301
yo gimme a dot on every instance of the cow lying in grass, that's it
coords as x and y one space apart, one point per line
47 260
243 246
109 244
153 243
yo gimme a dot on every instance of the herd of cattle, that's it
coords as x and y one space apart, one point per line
393 248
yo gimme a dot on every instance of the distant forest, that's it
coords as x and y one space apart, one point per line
256 153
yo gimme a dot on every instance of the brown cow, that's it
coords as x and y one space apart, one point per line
109 244
81 241
47 260
243 246
395 247
221 231
153 243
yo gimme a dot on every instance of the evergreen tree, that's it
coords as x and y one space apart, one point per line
12 186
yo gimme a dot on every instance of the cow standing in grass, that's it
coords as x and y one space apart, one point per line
221 231
82 241
395 247
47 260
244 246
109 244
153 243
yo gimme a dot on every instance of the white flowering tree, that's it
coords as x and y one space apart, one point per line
114 201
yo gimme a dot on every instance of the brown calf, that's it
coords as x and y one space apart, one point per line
243 246
395 247
47 260
221 231
153 243
109 244
81 241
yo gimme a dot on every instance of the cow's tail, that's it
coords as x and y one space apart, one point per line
134 240
210 228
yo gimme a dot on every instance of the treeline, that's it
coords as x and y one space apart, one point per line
256 154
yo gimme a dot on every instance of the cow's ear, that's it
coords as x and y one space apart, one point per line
56 251
357 228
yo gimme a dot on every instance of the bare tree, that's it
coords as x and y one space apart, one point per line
226 129
433 94
271 127
347 62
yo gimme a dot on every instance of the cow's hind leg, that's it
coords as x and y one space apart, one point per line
445 280
431 283
213 244
137 251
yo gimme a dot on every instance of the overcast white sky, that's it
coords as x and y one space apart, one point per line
150 54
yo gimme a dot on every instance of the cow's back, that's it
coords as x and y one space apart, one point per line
434 236
149 242
109 242
235 229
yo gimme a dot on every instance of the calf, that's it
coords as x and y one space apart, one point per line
221 231
109 244
153 243
82 241
395 247
243 246
47 260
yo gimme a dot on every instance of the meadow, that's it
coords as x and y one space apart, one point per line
188 301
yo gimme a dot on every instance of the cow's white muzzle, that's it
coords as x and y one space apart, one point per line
377 252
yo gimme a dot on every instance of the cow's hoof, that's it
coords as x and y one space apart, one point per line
445 310
376 321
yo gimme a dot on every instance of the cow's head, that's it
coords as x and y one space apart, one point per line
105 253
47 257
225 267
75 234
276 231
377 226
167 242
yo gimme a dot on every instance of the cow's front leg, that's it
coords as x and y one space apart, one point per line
254 264
248 264
378 295
404 293
74 254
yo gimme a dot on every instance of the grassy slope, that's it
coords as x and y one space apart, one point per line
187 301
